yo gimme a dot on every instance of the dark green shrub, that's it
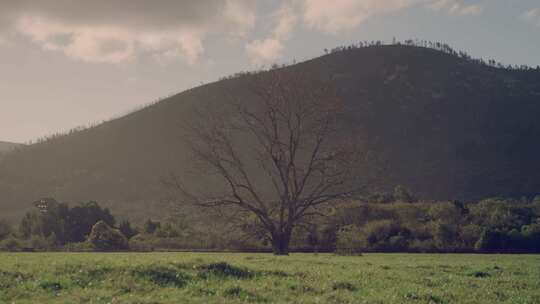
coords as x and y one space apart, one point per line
350 241
150 227
11 244
126 229
5 229
491 240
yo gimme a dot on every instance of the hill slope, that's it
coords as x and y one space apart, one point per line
445 127
7 146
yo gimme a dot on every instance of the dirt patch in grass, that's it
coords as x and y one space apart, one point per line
344 286
51 286
224 270
10 279
277 273
86 277
479 274
162 276
434 299
238 292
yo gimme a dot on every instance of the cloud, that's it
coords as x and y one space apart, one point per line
340 15
118 31
337 16
271 48
241 15
266 50
333 17
3 41
532 16
457 7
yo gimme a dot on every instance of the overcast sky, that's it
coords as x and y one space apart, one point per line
65 63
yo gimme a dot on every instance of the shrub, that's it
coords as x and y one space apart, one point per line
349 241
531 236
445 234
446 212
105 238
11 244
398 243
141 242
402 194
5 229
126 229
423 245
470 235
78 247
41 243
150 226
491 240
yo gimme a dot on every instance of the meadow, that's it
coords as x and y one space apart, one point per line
264 278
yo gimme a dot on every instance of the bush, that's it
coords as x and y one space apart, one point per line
141 242
349 241
78 247
470 235
5 229
105 238
423 245
127 230
11 244
398 243
150 226
445 235
402 194
531 235
41 243
491 240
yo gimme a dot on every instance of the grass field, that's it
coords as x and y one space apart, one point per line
263 278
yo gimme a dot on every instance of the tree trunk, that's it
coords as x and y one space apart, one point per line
280 243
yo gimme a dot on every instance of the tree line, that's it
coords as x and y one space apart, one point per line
434 45
399 222
395 222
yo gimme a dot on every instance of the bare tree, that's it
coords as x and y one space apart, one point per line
275 155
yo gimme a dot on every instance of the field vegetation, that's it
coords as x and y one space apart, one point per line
264 278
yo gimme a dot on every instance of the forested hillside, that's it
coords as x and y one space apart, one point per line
439 123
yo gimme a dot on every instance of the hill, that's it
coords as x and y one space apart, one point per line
6 147
447 127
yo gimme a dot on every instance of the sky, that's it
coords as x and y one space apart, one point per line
68 63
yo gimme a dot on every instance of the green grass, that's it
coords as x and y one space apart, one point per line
263 278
